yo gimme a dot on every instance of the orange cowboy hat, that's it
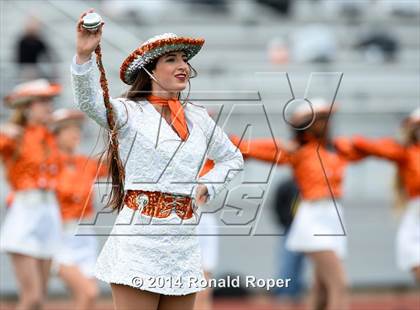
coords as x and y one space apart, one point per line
63 117
306 111
26 92
155 47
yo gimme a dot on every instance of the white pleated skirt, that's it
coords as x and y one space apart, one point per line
76 249
160 255
408 237
317 227
32 225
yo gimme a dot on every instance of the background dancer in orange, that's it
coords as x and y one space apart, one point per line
406 156
318 165
76 257
31 231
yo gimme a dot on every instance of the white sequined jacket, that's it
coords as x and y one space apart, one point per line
155 157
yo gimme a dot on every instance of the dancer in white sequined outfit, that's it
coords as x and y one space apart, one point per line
162 143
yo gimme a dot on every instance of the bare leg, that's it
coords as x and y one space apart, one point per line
332 275
204 298
318 298
29 280
416 273
84 290
127 297
44 266
185 302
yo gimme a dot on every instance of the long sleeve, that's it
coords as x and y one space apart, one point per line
89 98
386 148
347 150
228 160
268 150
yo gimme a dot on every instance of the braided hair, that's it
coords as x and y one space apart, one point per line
141 88
116 167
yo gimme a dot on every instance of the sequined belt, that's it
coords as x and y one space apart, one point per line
158 204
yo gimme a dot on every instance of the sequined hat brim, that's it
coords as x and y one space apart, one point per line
150 52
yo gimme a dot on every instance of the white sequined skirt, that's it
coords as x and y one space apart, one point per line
408 237
160 255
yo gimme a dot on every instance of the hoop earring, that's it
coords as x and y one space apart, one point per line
188 94
193 72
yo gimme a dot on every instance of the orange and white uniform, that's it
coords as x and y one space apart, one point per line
319 173
32 160
407 160
75 181
74 193
32 225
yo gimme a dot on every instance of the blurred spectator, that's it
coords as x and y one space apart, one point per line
350 9
31 50
279 6
278 52
217 6
120 10
314 43
378 47
291 263
138 12
401 8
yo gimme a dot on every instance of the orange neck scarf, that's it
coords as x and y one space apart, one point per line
177 114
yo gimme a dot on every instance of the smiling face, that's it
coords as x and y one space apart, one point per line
172 74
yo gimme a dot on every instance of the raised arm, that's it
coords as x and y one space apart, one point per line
228 160
268 150
85 80
386 148
347 150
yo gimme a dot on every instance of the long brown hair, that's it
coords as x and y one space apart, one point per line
142 86
140 89
19 117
